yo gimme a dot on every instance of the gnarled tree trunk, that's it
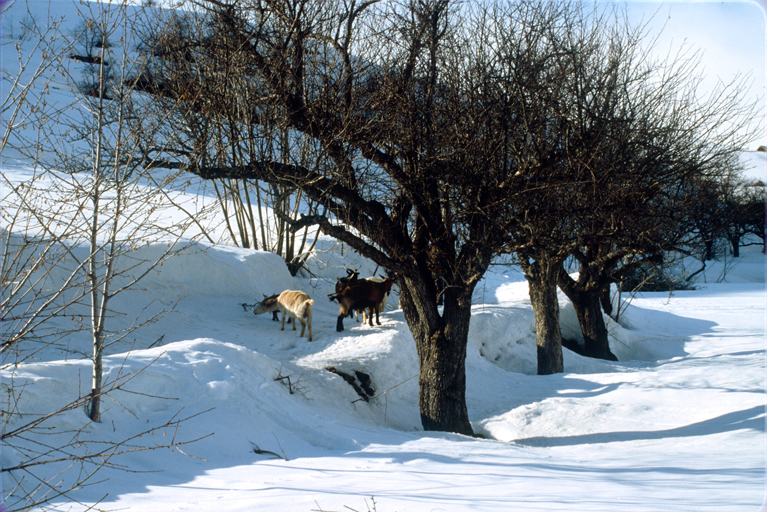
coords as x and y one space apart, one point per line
588 299
604 298
589 312
441 344
542 282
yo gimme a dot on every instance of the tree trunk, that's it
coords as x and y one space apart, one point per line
441 344
542 280
589 312
604 298
709 250
735 242
94 412
588 301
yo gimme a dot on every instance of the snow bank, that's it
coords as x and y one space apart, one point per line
677 423
690 375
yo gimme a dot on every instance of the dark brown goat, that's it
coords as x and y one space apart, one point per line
351 277
362 294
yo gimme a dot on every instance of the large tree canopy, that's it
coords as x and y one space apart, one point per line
437 135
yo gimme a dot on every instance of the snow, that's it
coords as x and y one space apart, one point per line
677 424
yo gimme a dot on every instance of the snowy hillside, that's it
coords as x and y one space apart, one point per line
678 422
259 422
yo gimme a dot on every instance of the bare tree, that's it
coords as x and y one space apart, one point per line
51 285
744 213
218 114
442 134
375 98
103 178
692 225
614 141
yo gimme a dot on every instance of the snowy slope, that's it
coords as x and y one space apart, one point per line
677 424
680 423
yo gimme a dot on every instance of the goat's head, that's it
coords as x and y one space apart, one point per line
351 275
268 304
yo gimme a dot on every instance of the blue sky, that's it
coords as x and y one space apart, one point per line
731 35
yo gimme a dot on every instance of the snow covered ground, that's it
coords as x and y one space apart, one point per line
677 424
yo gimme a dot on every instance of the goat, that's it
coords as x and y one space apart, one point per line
363 294
382 306
295 304
276 313
343 282
352 277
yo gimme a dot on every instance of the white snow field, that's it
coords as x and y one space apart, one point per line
677 424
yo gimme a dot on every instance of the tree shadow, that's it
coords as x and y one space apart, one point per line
747 419
651 335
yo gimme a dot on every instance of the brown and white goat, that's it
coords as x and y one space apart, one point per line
352 277
363 294
293 303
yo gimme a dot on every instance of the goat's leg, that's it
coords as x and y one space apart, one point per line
340 323
308 316
283 321
377 320
295 320
370 316
303 326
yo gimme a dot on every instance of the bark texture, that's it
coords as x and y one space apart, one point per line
588 298
441 344
542 282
